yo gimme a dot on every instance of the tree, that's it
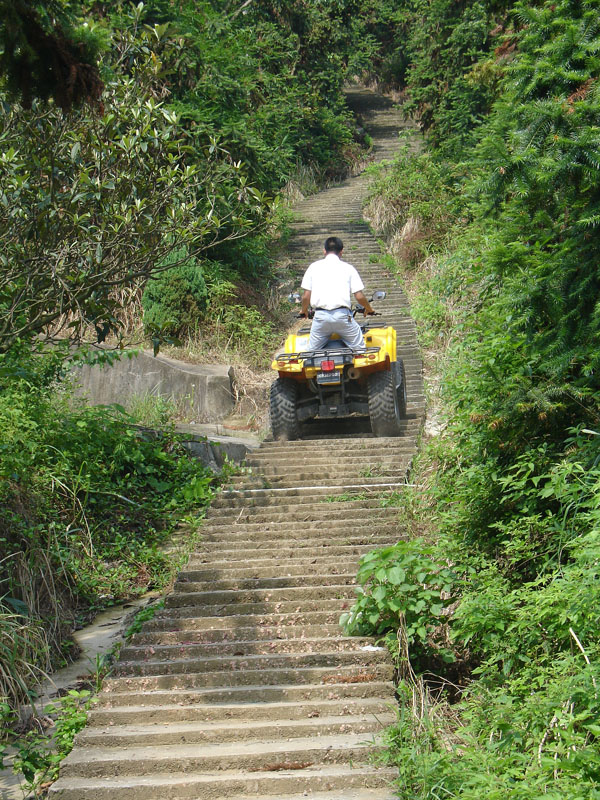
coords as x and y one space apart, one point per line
92 202
46 55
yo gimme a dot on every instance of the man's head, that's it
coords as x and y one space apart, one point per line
333 245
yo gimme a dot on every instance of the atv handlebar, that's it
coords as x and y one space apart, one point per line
355 311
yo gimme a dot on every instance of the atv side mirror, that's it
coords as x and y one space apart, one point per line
379 294
294 297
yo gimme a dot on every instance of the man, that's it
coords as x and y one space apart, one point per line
329 285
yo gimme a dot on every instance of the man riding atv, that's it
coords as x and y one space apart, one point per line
337 368
328 286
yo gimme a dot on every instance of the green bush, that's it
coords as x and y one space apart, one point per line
87 498
401 588
174 300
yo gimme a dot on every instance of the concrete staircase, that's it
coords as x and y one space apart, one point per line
243 687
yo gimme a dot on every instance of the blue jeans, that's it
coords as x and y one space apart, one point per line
338 321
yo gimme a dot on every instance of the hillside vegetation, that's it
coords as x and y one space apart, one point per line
142 179
495 229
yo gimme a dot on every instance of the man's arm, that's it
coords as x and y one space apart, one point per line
305 302
362 300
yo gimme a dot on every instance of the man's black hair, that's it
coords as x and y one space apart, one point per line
333 245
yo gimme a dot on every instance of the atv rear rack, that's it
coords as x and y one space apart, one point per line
312 358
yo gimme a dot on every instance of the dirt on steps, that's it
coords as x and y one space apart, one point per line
243 686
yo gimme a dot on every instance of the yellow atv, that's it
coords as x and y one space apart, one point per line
337 381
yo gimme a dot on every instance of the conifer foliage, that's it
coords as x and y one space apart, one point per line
513 170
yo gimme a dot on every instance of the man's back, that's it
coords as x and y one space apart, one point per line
332 282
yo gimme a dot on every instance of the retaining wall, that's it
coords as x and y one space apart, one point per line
204 391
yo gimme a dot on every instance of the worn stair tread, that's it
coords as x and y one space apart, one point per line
232 635
249 661
274 513
221 777
266 749
334 794
257 647
331 674
208 732
268 568
256 609
246 710
269 583
257 693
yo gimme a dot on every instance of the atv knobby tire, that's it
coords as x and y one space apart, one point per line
284 420
400 378
383 404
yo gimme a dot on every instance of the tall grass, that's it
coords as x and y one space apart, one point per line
24 655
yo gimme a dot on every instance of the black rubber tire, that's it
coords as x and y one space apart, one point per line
383 404
284 421
401 391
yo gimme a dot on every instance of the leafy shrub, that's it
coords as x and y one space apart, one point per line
38 754
402 587
248 330
174 300
86 499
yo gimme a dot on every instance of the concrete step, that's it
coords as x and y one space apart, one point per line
318 487
329 610
353 443
183 619
94 761
338 532
227 544
240 648
242 584
242 597
318 472
382 477
269 457
188 664
279 569
305 550
229 635
349 688
248 534
252 677
200 732
331 781
115 715
285 503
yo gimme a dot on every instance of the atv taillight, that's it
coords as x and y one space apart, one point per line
328 366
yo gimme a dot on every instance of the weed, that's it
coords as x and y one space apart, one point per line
402 588
151 410
40 751
372 471
142 616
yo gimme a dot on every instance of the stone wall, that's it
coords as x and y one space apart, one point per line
205 392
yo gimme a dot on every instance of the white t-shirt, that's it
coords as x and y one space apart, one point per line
331 282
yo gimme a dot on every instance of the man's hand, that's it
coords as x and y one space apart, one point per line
305 303
366 306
